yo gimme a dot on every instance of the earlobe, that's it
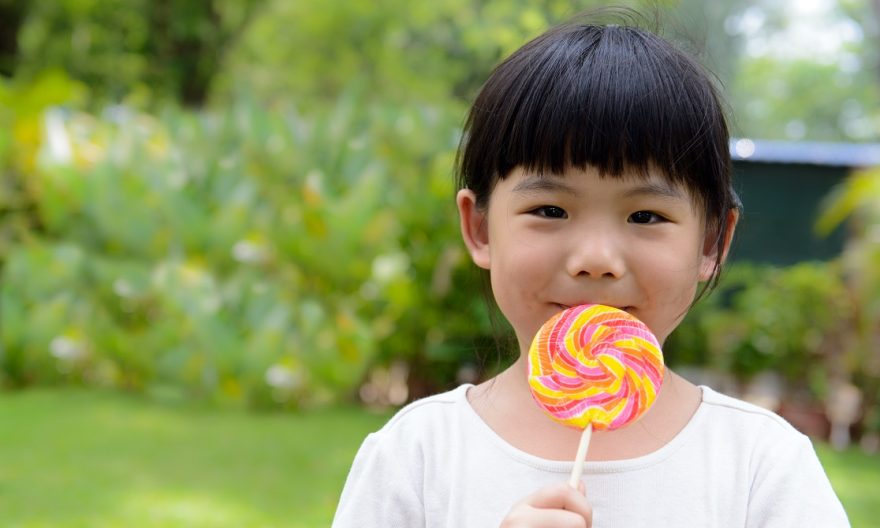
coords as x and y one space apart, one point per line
474 228
710 249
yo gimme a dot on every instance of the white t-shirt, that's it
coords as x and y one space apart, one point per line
437 464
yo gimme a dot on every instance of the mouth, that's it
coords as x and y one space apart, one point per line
627 309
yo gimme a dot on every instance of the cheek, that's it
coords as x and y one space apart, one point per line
669 279
522 270
670 264
517 250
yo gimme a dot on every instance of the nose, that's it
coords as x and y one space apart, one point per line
597 255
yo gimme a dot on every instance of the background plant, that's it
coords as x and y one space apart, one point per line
858 201
251 202
249 256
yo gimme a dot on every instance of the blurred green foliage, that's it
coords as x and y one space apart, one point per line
809 70
22 104
142 52
397 50
767 318
135 51
808 323
251 202
857 200
789 107
248 255
248 252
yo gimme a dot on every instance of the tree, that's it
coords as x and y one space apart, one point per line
808 75
135 50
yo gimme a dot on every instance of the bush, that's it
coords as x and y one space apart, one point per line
858 200
797 322
249 256
21 110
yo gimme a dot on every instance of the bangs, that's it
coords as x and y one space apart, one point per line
611 97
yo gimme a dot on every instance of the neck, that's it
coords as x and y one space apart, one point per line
505 403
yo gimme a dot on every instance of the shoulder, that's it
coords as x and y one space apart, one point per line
787 484
427 420
421 425
724 411
426 411
758 440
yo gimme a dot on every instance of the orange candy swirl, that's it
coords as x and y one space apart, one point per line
594 364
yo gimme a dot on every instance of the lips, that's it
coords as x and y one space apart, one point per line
625 308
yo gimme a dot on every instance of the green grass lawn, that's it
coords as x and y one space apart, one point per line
856 479
83 459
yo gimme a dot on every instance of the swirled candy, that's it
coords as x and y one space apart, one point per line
595 365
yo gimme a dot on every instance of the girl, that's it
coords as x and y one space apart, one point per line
594 169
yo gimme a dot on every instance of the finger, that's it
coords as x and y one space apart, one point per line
539 518
553 497
582 508
563 497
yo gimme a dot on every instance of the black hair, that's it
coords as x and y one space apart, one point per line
614 97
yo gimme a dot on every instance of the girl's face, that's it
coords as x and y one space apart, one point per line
550 242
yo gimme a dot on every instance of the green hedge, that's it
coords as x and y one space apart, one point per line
250 255
801 322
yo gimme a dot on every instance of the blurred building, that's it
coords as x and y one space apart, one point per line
782 186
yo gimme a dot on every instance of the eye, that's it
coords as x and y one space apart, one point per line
645 217
549 211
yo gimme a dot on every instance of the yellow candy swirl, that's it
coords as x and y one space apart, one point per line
594 364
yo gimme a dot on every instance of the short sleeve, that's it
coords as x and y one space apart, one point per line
380 489
791 488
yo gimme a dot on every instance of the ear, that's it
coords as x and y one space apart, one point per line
710 246
474 227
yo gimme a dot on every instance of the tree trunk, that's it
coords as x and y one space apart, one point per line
11 18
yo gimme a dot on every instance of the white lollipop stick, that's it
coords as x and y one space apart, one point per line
578 468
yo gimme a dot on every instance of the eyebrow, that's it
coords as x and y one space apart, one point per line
535 184
655 189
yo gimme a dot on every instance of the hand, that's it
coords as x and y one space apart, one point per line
557 506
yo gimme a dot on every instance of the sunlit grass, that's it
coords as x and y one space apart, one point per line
89 459
856 479
72 459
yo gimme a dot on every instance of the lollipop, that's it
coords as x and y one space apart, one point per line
594 367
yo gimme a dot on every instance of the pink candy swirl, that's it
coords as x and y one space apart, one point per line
594 364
